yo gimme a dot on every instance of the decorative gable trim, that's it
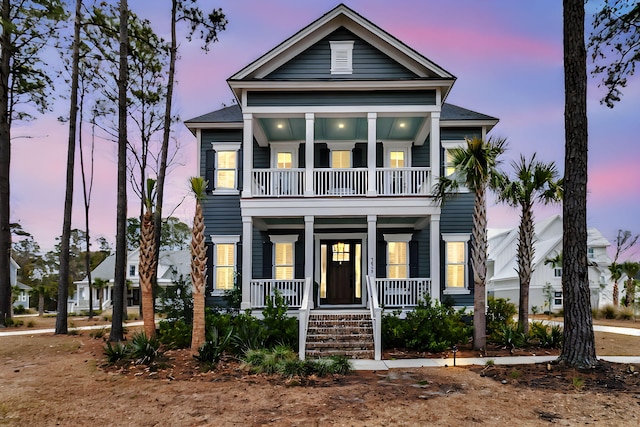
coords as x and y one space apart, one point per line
341 57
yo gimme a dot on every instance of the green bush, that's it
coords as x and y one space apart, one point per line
609 312
546 336
284 361
431 326
509 335
175 334
19 309
625 313
116 352
280 328
213 348
500 313
144 350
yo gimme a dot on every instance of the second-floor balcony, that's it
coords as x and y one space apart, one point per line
353 182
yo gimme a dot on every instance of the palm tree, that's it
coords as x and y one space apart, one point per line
476 168
198 265
631 269
533 181
99 285
147 261
616 274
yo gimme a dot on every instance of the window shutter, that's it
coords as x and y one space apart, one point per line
267 259
239 161
381 259
414 259
210 162
209 273
298 272
379 156
359 156
321 155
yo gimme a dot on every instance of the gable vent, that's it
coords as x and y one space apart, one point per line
341 57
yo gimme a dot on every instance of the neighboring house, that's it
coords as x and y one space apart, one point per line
546 279
321 178
22 298
171 266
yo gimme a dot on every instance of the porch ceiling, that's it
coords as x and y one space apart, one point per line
341 129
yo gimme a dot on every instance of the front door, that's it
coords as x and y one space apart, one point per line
341 272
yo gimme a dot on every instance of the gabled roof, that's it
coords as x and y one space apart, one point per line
342 16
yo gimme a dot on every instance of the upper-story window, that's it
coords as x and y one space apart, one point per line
226 167
132 270
591 253
340 159
341 57
557 272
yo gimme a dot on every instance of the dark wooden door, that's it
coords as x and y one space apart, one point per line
340 272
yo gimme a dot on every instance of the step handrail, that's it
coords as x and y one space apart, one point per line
376 318
303 318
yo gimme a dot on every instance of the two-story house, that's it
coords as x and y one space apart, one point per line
321 177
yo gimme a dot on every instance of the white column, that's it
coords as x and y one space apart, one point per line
308 250
435 147
308 154
247 154
247 268
435 257
371 245
371 154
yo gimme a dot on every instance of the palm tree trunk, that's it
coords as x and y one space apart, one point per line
525 259
616 294
146 272
198 269
478 257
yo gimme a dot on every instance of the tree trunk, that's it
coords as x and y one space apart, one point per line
63 283
40 304
525 258
616 294
578 349
478 257
145 271
5 160
119 287
198 269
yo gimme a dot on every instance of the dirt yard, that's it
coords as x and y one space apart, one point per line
48 380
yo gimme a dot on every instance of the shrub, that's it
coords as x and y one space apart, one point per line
176 301
144 350
116 352
19 309
546 336
98 333
430 327
284 361
608 312
510 335
500 313
625 313
31 324
280 328
213 348
249 334
175 334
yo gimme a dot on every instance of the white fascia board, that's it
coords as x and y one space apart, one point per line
419 206
457 123
354 109
228 125
320 85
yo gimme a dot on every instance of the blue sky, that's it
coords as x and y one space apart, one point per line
506 55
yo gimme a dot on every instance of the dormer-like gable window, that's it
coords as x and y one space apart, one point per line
341 57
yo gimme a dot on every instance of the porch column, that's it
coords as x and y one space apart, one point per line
308 155
434 264
247 245
371 154
371 245
308 250
435 147
247 154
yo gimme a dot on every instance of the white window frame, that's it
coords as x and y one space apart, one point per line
283 238
591 252
558 295
341 146
390 146
447 146
134 268
284 147
456 238
228 146
399 238
223 240
341 57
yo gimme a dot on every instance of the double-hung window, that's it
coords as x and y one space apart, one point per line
224 261
283 256
226 168
456 263
397 255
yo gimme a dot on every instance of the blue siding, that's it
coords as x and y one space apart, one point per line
340 98
421 155
222 215
457 217
459 133
315 62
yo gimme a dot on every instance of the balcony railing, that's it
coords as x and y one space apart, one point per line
402 292
291 290
341 182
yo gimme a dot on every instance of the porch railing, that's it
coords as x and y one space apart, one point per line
403 181
402 292
376 318
291 290
340 182
278 182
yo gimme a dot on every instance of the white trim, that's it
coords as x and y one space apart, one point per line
284 147
457 238
224 239
283 238
218 239
225 147
397 237
340 145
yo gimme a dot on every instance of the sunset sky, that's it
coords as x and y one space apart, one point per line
506 55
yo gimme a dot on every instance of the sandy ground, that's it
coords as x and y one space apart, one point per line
48 380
